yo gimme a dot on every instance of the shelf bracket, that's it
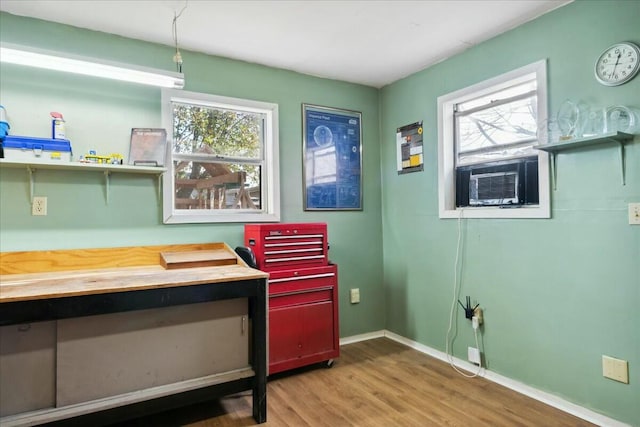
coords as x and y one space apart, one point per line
160 188
106 184
554 171
622 162
32 182
622 159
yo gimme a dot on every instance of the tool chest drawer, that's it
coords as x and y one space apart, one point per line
286 246
302 278
300 297
302 286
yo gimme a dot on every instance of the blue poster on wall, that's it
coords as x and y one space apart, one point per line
332 158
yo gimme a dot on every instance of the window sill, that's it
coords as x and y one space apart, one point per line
204 216
496 212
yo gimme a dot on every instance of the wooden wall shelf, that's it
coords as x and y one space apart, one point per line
554 148
107 169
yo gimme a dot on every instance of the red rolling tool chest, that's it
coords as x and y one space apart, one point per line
287 246
303 293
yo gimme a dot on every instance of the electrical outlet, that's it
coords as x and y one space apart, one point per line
477 313
473 354
39 206
615 369
354 296
634 213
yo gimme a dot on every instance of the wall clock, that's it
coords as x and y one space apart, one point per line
618 64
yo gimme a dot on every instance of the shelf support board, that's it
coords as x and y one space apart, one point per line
106 182
31 171
554 170
622 162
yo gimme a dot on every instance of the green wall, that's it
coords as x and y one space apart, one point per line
100 115
557 293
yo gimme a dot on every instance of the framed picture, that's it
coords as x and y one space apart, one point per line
148 147
332 158
409 148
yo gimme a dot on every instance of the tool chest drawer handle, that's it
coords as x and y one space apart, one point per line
297 258
309 243
311 276
299 236
303 291
292 251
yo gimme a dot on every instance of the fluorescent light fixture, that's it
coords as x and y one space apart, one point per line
21 55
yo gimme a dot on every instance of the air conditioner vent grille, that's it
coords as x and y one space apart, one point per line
497 187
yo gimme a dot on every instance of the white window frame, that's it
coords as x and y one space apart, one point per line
270 182
446 147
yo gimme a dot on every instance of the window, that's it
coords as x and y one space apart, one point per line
223 160
497 126
486 156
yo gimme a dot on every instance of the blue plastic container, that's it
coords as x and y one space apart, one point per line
26 148
4 124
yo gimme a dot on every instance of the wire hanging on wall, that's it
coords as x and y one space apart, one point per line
177 58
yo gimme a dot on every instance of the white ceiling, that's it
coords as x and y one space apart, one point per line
369 42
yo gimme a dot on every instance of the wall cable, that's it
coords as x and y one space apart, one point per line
177 58
456 289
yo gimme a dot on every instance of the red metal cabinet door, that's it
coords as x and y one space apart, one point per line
284 334
299 331
317 326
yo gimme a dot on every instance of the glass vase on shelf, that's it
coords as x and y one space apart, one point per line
596 122
572 119
549 132
619 118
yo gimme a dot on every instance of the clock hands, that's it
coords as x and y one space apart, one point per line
615 65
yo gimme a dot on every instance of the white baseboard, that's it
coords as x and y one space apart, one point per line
534 393
362 337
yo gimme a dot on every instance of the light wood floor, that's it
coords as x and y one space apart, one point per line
374 383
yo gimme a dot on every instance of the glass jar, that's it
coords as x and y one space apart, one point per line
622 119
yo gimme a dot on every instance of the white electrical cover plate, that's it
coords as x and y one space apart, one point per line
615 369
473 354
634 213
355 296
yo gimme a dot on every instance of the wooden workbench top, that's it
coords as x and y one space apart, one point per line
55 274
31 286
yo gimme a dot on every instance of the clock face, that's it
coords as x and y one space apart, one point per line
618 64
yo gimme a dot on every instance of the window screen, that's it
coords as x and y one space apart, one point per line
217 157
497 126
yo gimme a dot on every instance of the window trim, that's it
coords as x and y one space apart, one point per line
270 211
446 147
